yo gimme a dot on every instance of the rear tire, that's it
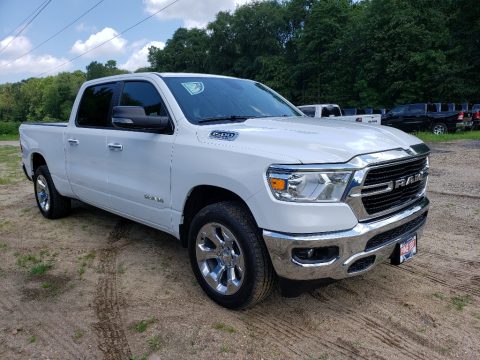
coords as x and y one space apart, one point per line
51 204
439 129
228 256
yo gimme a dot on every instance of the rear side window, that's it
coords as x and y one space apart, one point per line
350 111
309 111
476 107
328 111
94 109
444 107
144 94
431 108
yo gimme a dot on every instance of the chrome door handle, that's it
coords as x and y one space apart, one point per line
115 146
73 141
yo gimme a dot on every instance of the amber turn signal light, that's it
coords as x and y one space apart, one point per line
277 184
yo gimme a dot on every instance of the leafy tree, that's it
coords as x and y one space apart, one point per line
97 70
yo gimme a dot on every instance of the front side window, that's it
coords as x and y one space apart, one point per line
416 108
210 99
94 109
398 110
144 94
309 111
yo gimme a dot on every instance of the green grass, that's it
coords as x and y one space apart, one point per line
78 334
464 135
223 327
224 349
40 269
459 302
3 247
86 261
9 137
32 339
36 264
142 325
439 295
10 165
155 343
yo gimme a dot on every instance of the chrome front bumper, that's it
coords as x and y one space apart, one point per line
351 243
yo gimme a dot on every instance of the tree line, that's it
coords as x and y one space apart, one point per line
374 53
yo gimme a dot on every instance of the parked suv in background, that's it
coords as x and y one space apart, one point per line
424 117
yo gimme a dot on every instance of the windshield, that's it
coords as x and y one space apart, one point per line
206 99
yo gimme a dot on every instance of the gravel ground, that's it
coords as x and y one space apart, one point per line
95 286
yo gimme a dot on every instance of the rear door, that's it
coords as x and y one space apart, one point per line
138 162
86 145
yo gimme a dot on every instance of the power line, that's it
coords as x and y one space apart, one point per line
26 25
57 33
106 41
24 20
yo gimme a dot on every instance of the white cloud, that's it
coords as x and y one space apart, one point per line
194 13
28 64
15 48
113 47
139 57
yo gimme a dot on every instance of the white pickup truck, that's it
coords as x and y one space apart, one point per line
258 192
334 111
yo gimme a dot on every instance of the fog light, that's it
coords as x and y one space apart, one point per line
315 255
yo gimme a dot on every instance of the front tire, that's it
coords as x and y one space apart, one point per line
228 256
51 204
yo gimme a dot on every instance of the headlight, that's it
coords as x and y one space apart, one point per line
308 186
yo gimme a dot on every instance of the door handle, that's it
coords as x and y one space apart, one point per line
73 141
115 146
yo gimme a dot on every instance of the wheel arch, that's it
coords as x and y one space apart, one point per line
201 196
37 160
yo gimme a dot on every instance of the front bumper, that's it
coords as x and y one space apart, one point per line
352 245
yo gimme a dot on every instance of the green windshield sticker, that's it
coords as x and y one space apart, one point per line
194 88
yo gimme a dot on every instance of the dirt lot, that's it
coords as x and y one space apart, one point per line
96 286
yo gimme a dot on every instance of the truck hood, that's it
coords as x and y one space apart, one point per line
309 140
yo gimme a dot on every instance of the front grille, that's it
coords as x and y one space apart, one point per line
397 197
395 171
393 234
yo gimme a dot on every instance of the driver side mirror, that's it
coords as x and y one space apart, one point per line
134 117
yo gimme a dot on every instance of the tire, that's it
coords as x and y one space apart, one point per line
242 247
439 129
51 204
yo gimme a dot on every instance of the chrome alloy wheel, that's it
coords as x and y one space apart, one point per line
439 129
220 258
43 194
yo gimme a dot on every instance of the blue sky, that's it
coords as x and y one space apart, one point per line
105 21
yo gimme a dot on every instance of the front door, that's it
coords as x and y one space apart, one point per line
139 161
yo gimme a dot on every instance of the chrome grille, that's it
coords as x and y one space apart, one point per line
374 191
396 197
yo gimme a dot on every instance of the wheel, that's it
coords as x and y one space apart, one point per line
51 204
228 256
439 129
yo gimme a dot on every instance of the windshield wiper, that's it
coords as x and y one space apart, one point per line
225 118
